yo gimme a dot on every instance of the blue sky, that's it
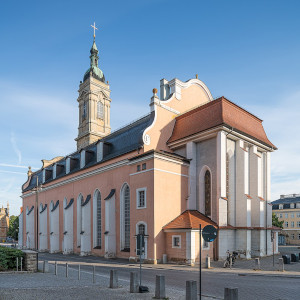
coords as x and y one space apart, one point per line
247 51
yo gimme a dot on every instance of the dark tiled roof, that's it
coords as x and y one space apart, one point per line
287 200
122 141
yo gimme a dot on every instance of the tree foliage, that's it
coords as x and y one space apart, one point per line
276 222
13 227
8 258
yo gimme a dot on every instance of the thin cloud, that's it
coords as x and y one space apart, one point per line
15 147
12 172
16 166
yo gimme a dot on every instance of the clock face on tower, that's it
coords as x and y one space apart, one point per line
146 139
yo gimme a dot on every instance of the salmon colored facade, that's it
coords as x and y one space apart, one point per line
141 177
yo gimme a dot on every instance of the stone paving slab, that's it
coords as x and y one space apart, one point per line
49 286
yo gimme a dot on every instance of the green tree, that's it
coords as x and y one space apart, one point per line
13 229
276 222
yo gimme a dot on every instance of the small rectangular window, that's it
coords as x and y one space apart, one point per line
280 215
286 215
299 236
144 166
298 224
176 241
293 236
286 224
141 198
292 215
298 215
138 168
292 224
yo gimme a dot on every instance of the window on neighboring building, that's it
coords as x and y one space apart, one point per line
100 110
176 241
138 168
299 236
280 215
292 224
298 224
286 215
280 206
207 192
298 215
286 224
144 166
292 215
292 205
292 236
141 198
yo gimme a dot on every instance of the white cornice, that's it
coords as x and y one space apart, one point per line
157 156
207 134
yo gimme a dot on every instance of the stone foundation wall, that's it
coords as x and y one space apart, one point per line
30 263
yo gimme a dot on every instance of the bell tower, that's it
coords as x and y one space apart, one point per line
93 103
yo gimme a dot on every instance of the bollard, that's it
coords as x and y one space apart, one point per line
67 270
55 268
207 262
191 290
17 264
257 264
94 271
78 272
160 291
281 265
21 264
113 282
231 294
45 266
134 284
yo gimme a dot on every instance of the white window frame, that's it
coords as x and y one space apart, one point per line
292 224
280 206
173 238
286 224
280 216
138 199
286 215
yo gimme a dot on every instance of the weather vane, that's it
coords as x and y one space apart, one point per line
94 26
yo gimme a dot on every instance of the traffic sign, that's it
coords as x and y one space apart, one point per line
209 233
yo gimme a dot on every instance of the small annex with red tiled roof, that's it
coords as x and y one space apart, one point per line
217 113
183 231
190 219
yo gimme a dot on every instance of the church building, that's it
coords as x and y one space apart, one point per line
4 222
192 160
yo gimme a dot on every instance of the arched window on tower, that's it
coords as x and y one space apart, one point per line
97 219
84 110
125 218
100 110
207 193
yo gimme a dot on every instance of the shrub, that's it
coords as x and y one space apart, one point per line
8 258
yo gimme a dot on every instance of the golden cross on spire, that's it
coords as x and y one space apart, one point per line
94 26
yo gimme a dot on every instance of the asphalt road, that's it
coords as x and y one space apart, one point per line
251 287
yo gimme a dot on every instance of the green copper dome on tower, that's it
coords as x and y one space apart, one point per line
94 70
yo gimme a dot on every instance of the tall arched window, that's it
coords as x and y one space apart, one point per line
125 218
79 219
100 110
207 193
84 110
97 219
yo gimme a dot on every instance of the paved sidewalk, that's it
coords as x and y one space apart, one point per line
40 286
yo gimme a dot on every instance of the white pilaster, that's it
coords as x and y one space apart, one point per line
221 164
191 152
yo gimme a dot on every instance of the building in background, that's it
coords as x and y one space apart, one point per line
192 160
287 209
4 222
